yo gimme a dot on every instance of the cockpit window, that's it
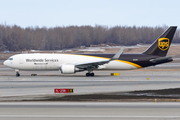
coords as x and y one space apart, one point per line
10 58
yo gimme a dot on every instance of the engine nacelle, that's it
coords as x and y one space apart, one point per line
68 69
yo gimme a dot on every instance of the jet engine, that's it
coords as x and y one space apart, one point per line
69 69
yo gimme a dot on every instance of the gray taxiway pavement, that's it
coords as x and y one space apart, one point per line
45 82
89 110
35 87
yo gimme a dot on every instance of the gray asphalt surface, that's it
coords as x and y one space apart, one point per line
89 110
30 87
35 87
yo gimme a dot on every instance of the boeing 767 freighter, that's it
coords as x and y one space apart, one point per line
72 63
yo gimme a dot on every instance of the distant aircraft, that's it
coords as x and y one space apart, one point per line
72 63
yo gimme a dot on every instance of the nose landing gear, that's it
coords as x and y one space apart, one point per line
17 73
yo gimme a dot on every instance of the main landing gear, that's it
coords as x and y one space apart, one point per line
89 74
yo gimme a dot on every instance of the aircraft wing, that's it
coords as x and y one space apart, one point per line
95 64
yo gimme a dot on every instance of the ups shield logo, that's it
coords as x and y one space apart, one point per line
163 43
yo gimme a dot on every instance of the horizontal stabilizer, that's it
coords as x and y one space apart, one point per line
161 59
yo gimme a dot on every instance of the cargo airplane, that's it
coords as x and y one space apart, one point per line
72 63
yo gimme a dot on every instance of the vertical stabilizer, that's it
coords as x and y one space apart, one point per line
161 45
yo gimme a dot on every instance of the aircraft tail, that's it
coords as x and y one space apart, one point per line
161 45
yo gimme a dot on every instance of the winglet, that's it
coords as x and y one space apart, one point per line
117 55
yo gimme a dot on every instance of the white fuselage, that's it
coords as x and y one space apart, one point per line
54 62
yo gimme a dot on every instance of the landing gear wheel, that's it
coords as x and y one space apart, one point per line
92 74
89 74
17 74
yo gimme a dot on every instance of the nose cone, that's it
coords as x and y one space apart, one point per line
5 63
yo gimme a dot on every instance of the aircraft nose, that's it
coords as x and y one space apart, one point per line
5 63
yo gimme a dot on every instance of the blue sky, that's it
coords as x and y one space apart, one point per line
52 13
